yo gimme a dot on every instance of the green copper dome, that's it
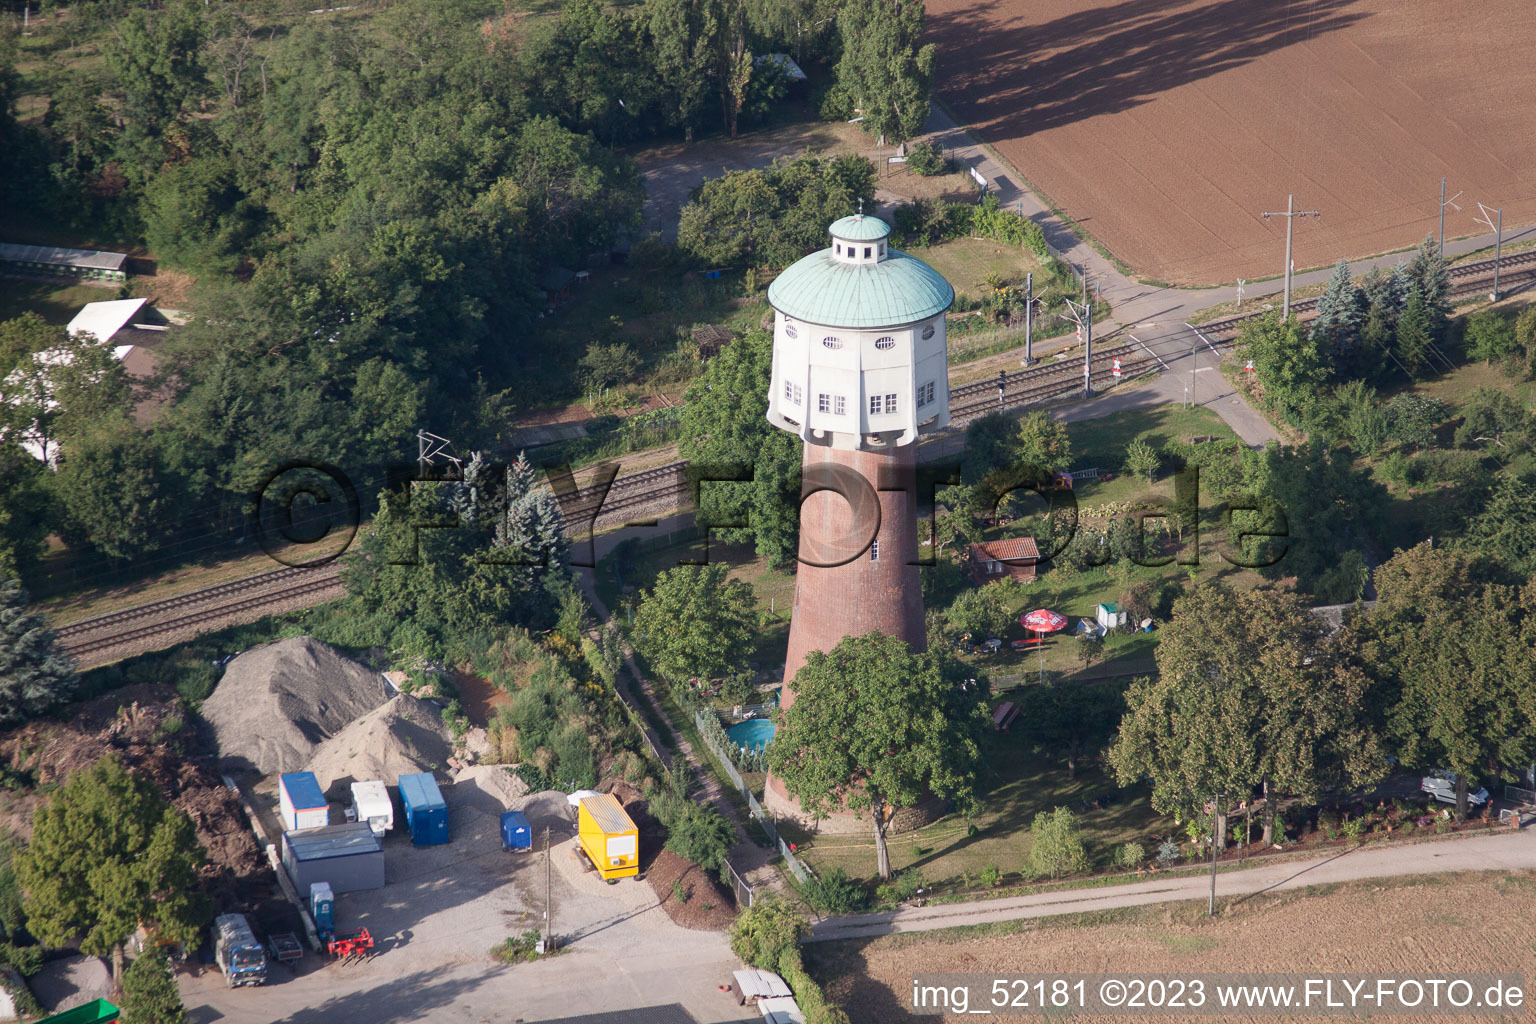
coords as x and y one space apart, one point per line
860 228
898 289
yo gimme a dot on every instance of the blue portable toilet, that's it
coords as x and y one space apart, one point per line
322 907
515 831
425 813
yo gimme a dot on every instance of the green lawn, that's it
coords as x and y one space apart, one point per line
54 302
1102 442
1021 782
966 263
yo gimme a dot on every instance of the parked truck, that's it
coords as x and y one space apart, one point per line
371 803
241 959
608 837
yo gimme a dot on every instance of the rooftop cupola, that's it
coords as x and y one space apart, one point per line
859 240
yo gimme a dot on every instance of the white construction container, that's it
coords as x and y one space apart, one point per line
300 802
371 803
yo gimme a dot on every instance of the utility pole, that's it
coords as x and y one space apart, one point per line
1444 202
1494 220
549 908
1215 824
1290 215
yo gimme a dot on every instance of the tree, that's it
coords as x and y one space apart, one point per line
110 491
876 728
1506 527
773 215
1310 484
1454 649
453 558
1056 847
1287 363
606 365
150 995
885 72
683 42
1427 273
1245 698
986 610
1415 335
1043 441
1493 417
35 674
762 933
725 434
1413 417
1141 459
1488 335
25 512
157 58
109 853
1341 311
696 621
1070 718
1364 419
699 833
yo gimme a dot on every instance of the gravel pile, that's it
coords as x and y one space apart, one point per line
404 736
488 787
277 703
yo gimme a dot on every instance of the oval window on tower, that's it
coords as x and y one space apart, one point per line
790 332
884 344
832 342
928 332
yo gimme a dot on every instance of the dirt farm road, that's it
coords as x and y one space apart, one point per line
1504 851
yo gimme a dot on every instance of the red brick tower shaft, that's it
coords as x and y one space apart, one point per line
878 590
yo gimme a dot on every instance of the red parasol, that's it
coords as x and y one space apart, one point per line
1043 620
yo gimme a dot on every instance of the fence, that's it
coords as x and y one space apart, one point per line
739 887
1520 797
796 866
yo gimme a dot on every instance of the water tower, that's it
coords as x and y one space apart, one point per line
859 374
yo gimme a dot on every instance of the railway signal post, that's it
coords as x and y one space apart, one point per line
1290 215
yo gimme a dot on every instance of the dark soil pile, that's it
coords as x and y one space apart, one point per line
707 906
147 727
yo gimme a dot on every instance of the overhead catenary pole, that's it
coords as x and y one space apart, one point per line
1495 220
1290 215
1444 202
1029 318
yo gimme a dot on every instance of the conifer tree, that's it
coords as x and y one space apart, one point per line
108 853
149 990
35 674
1340 315
1415 334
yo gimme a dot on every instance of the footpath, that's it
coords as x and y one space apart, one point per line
1502 851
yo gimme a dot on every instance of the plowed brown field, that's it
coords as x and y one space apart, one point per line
1166 127
1425 926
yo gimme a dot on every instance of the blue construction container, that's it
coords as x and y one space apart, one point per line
515 831
425 813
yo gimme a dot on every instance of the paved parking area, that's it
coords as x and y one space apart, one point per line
442 911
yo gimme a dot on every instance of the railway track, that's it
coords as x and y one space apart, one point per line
94 645
196 597
668 483
1466 279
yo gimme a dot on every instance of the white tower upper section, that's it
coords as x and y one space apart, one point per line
859 358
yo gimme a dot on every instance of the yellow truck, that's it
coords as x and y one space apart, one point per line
608 838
